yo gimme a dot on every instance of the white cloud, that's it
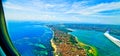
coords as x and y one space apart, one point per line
97 8
37 10
30 17
36 6
9 5
76 6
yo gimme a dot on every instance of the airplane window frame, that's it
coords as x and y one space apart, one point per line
6 44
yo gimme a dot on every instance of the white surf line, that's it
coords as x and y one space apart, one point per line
113 39
70 29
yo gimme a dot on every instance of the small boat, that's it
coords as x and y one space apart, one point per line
113 39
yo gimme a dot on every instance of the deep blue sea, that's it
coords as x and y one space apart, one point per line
31 39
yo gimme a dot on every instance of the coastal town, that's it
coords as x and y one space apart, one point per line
65 44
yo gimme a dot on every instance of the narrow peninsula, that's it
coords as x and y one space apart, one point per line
65 44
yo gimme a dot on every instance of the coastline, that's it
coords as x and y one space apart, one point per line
93 50
90 50
53 45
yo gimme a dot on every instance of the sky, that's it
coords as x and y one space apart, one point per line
76 11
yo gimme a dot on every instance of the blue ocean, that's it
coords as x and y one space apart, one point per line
30 39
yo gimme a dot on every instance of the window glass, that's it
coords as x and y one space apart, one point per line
64 27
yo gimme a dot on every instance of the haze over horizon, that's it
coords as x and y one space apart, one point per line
77 11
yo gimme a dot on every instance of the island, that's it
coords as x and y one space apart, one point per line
64 44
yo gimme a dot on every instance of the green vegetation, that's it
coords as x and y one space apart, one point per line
72 40
91 50
69 45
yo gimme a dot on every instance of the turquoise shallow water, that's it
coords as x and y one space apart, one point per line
94 38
